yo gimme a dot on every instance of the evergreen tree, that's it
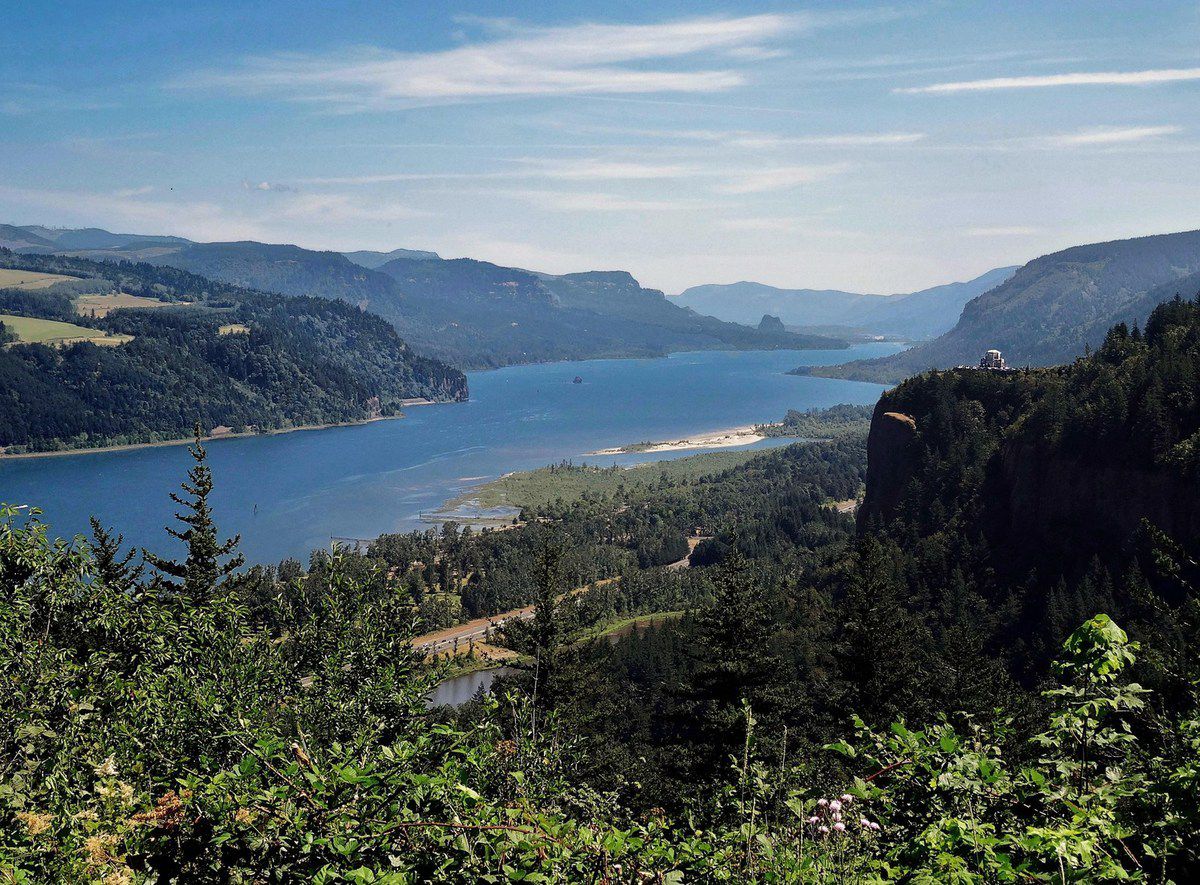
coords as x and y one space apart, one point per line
548 580
113 569
735 662
201 572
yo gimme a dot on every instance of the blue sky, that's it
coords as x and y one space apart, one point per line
851 145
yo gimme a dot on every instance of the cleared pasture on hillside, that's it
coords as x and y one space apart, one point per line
32 330
101 305
30 279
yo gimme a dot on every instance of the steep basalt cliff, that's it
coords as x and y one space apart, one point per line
1052 467
891 459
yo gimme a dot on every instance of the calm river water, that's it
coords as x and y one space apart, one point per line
289 493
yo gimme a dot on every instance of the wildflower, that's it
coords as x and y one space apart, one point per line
107 768
835 805
814 820
97 848
863 822
847 798
822 802
35 822
86 814
874 826
823 830
119 876
840 827
167 813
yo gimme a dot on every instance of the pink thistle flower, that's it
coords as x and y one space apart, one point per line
847 798
874 826
863 822
822 802
814 820
841 828
835 805
823 830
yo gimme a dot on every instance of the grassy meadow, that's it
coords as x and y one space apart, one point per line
102 305
30 279
31 330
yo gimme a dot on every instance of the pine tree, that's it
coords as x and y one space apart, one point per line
202 572
112 569
548 580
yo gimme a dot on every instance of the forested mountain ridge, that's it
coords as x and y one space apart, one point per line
470 313
225 356
914 315
1053 308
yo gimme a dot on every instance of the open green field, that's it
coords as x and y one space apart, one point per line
31 330
30 279
570 482
100 305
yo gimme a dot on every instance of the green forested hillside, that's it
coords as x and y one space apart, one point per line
472 314
1054 307
302 361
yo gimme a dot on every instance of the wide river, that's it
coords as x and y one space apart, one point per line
289 493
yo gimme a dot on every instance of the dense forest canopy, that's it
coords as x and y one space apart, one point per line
225 356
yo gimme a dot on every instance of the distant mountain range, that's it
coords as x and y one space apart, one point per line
1053 308
913 316
470 313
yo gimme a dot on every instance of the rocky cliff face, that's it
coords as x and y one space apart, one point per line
1040 500
891 460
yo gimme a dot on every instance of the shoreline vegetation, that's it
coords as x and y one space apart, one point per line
568 482
220 434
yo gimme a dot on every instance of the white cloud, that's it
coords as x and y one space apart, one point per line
599 169
864 139
579 201
189 218
1100 78
1002 231
745 138
571 60
337 208
779 178
1102 135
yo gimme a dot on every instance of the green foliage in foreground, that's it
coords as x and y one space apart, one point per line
156 735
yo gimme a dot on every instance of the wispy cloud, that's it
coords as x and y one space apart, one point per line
742 138
864 139
1002 231
1105 135
589 201
194 218
1098 78
779 178
572 60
